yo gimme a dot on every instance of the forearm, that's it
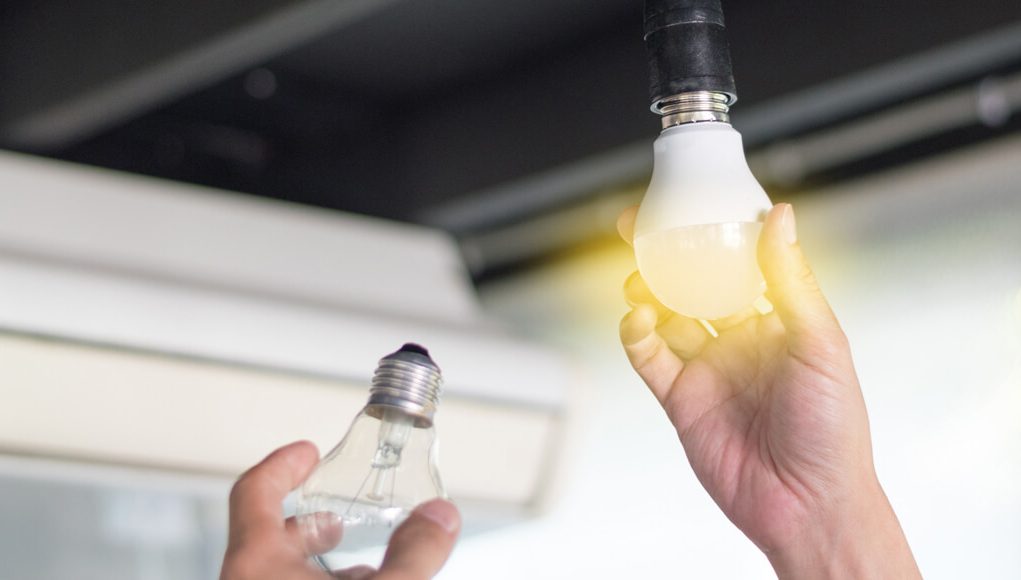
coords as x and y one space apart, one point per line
863 540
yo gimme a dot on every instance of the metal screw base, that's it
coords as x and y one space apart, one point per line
694 107
408 381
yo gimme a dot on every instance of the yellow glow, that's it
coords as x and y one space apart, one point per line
705 271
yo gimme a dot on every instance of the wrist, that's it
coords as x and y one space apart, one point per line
859 538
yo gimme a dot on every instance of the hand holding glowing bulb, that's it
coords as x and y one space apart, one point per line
771 417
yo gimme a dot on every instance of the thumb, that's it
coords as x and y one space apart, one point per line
420 546
792 287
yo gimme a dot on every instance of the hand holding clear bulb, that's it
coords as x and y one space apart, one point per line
265 546
379 486
772 419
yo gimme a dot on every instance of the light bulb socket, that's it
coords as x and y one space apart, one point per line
409 381
687 48
694 107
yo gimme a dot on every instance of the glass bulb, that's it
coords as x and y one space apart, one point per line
383 467
697 230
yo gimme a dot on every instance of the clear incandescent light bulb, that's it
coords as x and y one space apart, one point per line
383 467
698 226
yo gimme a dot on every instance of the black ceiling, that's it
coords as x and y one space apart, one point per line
402 108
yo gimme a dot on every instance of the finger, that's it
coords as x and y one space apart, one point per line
257 496
317 533
355 573
420 546
685 336
648 352
636 292
626 223
793 289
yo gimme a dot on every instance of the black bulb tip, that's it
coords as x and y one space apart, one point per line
414 353
415 348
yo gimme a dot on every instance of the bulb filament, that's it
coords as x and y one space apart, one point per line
384 466
394 431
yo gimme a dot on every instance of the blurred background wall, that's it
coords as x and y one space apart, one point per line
497 141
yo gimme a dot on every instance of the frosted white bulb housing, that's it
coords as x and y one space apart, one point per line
697 229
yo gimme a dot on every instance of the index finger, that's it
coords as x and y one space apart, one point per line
257 496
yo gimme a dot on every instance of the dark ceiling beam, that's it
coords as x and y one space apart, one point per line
73 69
882 85
774 120
515 201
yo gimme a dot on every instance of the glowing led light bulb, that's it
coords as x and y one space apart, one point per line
697 229
385 465
698 226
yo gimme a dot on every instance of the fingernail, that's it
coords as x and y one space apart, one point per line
442 513
790 228
362 572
